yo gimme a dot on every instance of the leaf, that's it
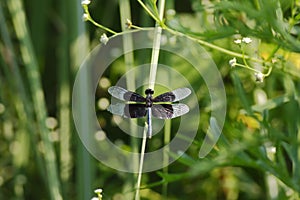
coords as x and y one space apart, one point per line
271 103
241 92
172 177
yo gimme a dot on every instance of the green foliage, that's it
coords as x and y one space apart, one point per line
257 156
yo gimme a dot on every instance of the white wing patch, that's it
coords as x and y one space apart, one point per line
117 109
179 109
117 92
181 93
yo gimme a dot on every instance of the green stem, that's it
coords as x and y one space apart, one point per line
64 101
139 28
89 18
79 50
269 71
167 138
161 24
273 52
27 54
138 184
22 100
212 46
149 12
156 47
130 81
247 67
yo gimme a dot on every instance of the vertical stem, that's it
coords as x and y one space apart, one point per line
19 22
64 100
156 46
167 132
138 184
21 97
80 49
167 138
154 57
125 14
152 76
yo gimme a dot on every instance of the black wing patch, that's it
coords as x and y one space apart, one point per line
128 110
169 111
173 96
125 95
165 97
135 110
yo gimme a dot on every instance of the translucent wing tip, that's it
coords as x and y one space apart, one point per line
116 109
181 93
180 109
111 89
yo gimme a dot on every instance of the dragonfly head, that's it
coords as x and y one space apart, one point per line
149 91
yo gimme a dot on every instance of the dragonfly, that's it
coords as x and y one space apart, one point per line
149 106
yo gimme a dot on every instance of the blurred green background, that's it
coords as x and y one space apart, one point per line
42 45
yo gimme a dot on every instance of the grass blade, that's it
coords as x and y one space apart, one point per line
27 54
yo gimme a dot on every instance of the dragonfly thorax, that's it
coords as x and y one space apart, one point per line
149 99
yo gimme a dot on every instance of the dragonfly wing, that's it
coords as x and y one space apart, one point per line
180 109
168 111
136 110
162 111
173 96
128 110
125 95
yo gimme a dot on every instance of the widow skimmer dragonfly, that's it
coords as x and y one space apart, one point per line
147 105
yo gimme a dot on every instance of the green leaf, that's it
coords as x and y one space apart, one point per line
271 103
172 177
241 92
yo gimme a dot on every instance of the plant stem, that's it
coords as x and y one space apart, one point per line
148 11
247 67
19 22
64 101
207 44
167 138
138 184
79 49
156 46
89 18
130 81
153 69
212 46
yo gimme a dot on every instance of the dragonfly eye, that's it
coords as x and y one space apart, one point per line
149 91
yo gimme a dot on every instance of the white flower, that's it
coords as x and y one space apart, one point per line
237 41
98 191
104 39
85 17
95 198
259 77
171 12
232 62
85 2
246 40
271 151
